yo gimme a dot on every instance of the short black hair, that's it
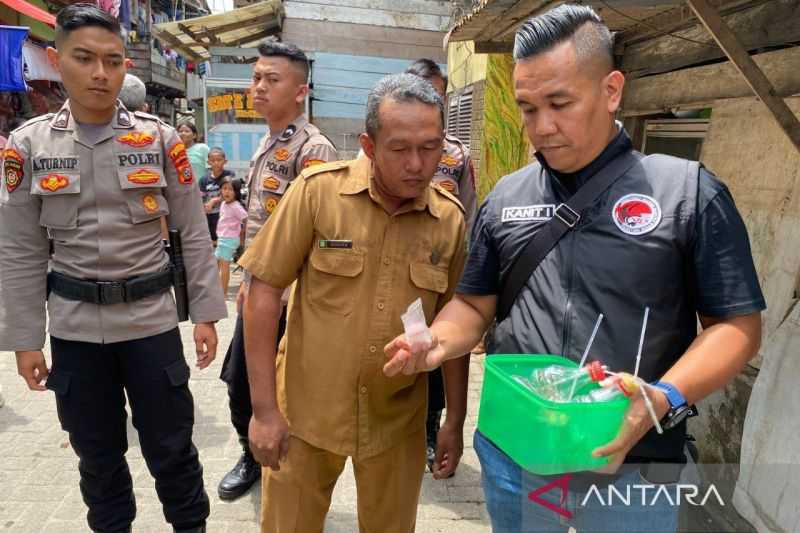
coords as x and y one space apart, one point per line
426 68
403 87
81 15
217 150
296 57
578 23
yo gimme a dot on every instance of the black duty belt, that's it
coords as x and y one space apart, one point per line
109 292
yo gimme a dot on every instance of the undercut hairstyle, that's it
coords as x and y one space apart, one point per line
578 23
401 88
296 57
82 15
133 93
428 69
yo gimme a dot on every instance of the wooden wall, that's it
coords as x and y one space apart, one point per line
354 43
341 83
747 150
351 38
750 153
429 15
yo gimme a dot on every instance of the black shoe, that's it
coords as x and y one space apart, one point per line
194 529
239 480
431 457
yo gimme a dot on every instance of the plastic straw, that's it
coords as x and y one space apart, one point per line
649 404
585 355
643 386
641 341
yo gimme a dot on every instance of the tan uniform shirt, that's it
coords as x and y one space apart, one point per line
348 298
456 175
279 159
100 200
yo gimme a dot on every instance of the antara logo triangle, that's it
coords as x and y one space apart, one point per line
560 483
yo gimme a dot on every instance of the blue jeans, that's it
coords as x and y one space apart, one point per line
626 507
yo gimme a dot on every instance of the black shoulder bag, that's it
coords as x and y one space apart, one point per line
565 218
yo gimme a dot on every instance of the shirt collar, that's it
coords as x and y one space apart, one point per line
291 130
360 179
63 120
620 144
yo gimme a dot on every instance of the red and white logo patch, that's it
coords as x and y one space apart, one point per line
636 214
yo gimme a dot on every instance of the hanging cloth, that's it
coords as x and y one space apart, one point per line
11 70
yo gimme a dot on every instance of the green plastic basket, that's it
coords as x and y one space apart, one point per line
542 436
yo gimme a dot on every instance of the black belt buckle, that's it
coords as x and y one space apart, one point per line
110 292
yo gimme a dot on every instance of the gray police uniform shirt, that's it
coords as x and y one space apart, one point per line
665 235
456 174
100 199
278 161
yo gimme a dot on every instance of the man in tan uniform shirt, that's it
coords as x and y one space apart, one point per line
279 90
455 175
97 179
363 239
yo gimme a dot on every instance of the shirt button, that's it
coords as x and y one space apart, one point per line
381 306
363 390
373 348
386 261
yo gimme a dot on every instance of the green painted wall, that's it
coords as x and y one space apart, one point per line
505 145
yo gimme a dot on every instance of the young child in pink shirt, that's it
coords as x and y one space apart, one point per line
229 228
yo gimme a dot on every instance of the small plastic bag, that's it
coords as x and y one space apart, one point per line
418 335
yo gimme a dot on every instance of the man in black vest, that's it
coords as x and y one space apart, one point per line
665 234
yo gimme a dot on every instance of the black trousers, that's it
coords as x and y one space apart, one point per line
234 373
90 381
436 403
212 219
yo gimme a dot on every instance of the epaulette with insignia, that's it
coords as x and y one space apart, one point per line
453 139
324 167
142 114
313 131
34 120
447 194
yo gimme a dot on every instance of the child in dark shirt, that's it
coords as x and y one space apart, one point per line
210 187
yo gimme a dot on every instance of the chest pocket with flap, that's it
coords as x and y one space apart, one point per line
433 280
142 189
334 278
60 193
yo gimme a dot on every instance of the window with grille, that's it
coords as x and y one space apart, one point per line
459 116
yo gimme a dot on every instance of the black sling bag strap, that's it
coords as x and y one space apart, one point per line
565 218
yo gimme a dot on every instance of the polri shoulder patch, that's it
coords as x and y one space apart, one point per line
13 168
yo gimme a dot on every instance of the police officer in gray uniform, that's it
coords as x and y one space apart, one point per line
656 232
97 179
279 89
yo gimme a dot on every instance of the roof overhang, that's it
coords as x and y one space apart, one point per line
493 23
32 11
239 27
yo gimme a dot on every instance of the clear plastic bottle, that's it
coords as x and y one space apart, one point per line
555 382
